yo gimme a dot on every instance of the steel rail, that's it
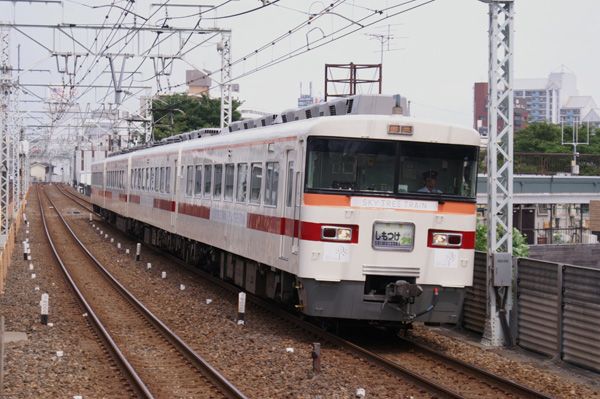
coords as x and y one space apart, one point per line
496 380
388 365
210 372
132 377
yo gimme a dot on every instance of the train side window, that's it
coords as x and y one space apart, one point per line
255 183
168 180
189 181
229 172
147 180
242 182
218 185
156 179
162 179
152 177
207 180
198 181
271 183
290 184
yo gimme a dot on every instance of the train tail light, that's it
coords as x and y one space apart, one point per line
336 233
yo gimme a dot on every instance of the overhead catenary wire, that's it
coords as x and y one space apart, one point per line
318 42
115 43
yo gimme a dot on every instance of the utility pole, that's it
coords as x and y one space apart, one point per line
500 172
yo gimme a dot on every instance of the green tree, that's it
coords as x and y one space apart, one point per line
547 138
183 113
540 137
520 246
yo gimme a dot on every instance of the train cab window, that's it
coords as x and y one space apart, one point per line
255 183
207 180
390 168
242 182
356 165
229 173
189 179
198 181
218 184
438 169
271 183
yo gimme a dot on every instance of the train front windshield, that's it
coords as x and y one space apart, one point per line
391 168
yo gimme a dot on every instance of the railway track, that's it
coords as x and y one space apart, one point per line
450 378
81 201
440 375
156 363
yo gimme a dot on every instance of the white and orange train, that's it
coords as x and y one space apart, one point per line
324 207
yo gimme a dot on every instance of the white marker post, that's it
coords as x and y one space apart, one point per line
44 305
138 250
241 307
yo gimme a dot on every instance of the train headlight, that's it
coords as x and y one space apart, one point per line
336 233
446 239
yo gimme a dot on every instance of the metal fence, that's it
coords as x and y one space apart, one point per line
556 311
548 164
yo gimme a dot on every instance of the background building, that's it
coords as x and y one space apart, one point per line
554 99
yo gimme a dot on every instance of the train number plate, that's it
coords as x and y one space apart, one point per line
393 235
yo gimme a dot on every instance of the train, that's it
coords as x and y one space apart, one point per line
343 210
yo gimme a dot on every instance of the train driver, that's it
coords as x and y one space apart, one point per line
429 181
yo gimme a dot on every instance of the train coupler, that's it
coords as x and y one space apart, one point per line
401 292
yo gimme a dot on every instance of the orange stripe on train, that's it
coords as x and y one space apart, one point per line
465 208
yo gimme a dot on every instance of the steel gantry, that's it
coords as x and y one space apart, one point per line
226 103
6 89
500 171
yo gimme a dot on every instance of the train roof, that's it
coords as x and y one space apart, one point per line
313 118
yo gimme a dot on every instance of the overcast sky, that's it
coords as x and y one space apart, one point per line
437 50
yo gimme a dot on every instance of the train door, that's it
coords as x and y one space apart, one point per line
289 238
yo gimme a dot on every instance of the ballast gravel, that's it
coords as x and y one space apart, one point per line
63 359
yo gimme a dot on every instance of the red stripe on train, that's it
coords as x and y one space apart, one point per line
165 205
194 210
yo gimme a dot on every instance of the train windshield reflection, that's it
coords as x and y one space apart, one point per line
390 167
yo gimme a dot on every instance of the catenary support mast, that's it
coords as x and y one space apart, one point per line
500 171
5 111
